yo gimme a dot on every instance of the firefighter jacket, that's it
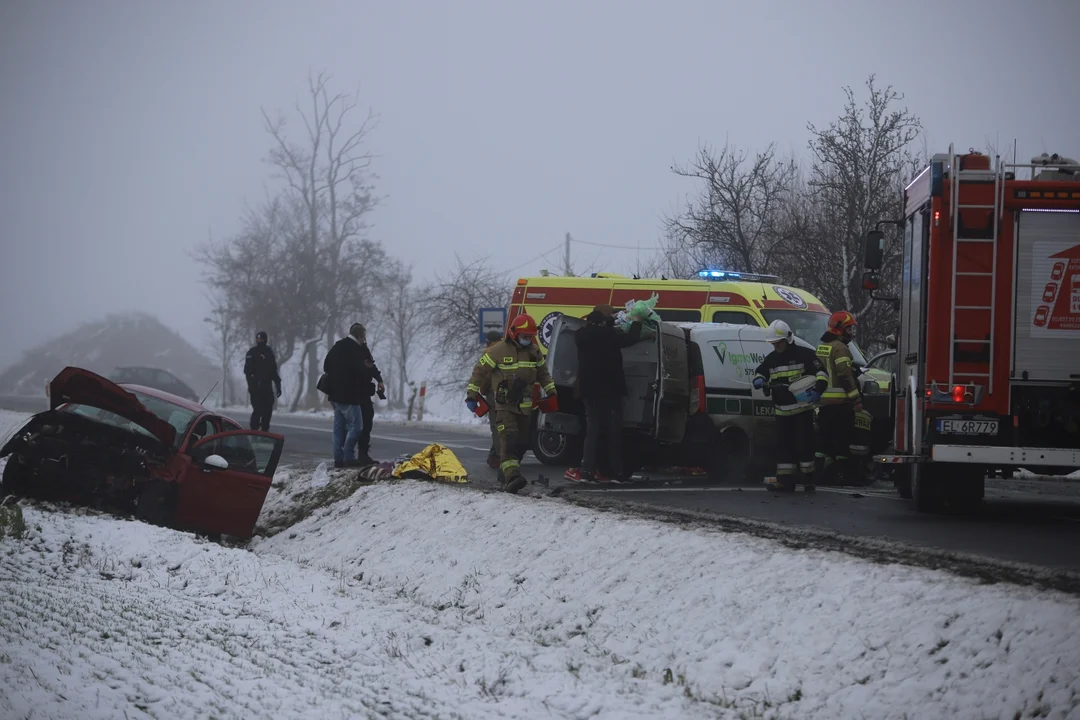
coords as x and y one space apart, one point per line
836 357
511 371
780 369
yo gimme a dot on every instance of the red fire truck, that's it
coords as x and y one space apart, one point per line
988 354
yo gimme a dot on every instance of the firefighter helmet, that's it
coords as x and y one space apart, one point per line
521 325
840 321
778 330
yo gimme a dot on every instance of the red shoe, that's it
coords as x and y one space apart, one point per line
604 479
575 475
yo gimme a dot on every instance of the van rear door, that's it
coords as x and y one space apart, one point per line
562 358
672 409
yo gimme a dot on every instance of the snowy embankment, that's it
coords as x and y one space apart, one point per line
410 599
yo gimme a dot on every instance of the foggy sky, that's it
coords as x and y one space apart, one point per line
131 130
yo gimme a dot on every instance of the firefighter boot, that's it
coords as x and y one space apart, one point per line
515 484
810 482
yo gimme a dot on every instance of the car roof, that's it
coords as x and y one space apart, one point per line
730 331
167 397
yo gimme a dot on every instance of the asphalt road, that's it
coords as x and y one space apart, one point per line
1021 522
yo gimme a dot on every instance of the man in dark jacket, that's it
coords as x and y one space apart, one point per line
263 381
602 386
348 379
367 404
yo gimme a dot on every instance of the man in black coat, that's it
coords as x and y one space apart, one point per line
367 405
348 381
602 386
263 381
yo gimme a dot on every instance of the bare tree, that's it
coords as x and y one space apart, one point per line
860 164
734 217
226 340
403 318
329 173
453 308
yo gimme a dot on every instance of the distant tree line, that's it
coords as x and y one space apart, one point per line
303 266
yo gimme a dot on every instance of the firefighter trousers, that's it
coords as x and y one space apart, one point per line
795 447
836 428
513 432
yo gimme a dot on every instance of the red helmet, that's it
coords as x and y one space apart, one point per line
521 325
840 321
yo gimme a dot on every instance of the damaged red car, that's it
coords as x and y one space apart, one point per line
135 450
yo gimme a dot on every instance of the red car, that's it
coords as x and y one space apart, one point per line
133 449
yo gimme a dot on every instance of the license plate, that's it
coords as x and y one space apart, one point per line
967 427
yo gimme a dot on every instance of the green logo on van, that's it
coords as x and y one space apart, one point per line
721 351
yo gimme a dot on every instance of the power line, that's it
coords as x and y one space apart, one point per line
615 247
541 256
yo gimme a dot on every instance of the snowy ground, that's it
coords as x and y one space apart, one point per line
413 600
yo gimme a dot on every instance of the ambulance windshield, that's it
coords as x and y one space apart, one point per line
810 326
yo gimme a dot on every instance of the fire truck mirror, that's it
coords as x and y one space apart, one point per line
870 281
874 252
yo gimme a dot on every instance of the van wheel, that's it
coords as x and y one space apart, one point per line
552 448
729 457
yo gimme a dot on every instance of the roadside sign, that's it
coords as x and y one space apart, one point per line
491 319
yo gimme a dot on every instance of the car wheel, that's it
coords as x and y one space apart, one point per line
729 458
156 502
17 478
552 448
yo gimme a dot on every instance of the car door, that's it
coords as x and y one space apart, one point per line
562 358
672 404
228 500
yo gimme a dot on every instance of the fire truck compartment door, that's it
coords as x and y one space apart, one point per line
1047 340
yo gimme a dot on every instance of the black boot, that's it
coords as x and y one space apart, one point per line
515 484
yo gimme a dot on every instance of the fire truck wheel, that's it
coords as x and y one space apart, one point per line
551 448
902 481
965 490
927 488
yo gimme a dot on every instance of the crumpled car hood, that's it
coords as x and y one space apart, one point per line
77 385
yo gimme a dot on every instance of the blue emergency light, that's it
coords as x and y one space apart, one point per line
719 274
710 274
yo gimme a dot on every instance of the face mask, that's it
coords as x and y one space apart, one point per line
524 341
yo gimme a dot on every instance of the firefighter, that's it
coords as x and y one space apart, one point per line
786 364
511 367
838 454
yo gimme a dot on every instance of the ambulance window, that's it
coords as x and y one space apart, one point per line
679 315
734 317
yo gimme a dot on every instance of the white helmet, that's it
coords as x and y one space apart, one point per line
778 330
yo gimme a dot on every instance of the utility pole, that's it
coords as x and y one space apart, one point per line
566 261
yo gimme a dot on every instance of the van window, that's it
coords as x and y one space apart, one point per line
679 315
735 317
810 326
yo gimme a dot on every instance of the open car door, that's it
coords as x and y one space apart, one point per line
672 408
562 358
226 482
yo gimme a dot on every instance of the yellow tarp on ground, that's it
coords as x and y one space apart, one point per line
437 462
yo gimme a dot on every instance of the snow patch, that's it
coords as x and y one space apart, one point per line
409 599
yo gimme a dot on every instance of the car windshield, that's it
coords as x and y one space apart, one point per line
180 418
810 326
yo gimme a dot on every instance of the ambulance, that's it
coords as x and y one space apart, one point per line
715 296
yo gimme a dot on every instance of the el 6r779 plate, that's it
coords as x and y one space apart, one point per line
967 427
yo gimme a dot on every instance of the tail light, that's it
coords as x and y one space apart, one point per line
697 397
955 394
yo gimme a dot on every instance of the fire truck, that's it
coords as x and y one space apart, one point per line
988 351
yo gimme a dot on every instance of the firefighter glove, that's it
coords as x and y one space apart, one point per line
813 396
759 383
471 404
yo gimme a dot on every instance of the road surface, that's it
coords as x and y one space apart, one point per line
1019 522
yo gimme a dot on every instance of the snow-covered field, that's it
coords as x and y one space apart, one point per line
413 600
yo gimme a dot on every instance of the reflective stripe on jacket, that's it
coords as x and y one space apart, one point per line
507 362
779 370
836 357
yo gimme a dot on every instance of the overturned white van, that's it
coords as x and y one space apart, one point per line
690 398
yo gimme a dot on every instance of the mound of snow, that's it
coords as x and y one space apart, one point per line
409 599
